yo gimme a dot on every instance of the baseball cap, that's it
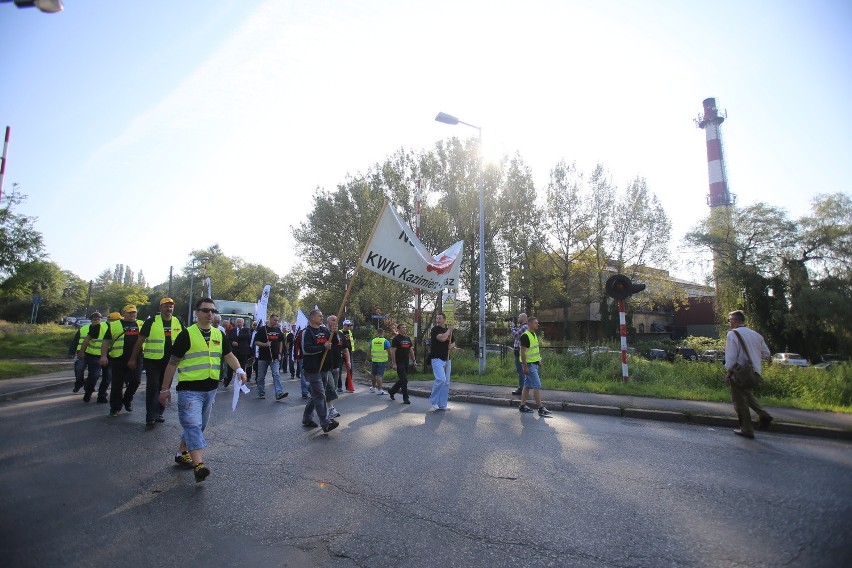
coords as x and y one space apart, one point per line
114 316
347 322
129 308
166 301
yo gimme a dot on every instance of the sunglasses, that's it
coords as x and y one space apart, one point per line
208 310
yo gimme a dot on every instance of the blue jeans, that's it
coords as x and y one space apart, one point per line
317 402
92 362
532 381
262 366
519 368
441 389
306 388
79 371
193 414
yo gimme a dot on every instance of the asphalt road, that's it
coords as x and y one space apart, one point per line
396 485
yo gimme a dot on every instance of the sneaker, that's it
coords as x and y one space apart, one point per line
372 389
159 419
201 472
382 393
544 412
445 408
261 395
87 397
332 424
517 392
309 424
525 408
128 407
744 434
113 413
339 390
406 401
435 407
149 424
184 460
390 394
333 413
281 395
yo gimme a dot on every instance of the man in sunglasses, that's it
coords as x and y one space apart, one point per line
197 355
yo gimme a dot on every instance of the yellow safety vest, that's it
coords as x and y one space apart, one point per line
117 333
155 345
533 354
348 332
94 347
378 353
84 331
203 361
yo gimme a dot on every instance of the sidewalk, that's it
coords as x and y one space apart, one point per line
834 425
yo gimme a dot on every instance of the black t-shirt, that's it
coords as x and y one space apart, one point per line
313 347
179 349
130 335
440 349
264 334
402 343
335 354
167 330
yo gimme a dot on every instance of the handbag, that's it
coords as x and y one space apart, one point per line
744 376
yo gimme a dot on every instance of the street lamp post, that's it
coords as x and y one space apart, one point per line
448 119
201 260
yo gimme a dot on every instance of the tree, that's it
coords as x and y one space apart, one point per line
60 292
20 243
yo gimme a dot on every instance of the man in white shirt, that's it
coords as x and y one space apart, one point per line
755 350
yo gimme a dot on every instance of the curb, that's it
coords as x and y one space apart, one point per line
559 406
659 415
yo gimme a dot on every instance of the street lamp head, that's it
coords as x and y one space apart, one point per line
46 6
446 118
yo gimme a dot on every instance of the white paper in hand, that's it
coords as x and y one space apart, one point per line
236 398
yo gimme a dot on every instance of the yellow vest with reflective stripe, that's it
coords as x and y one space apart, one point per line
533 354
94 347
202 361
348 332
155 345
117 333
378 353
84 331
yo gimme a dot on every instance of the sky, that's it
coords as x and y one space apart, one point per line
143 130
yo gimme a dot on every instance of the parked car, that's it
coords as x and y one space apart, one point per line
82 321
831 358
656 354
713 356
687 353
790 359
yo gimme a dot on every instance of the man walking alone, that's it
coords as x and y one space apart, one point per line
755 350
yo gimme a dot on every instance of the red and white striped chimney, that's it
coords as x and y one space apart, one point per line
710 123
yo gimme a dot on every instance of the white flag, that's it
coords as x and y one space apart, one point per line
260 306
301 320
396 252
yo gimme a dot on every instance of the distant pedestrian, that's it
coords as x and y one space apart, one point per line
400 355
116 350
239 338
331 367
155 344
349 345
315 344
442 344
269 341
517 329
531 365
379 357
289 339
197 354
755 350
88 340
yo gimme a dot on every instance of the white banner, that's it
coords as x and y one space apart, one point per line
396 252
260 306
301 320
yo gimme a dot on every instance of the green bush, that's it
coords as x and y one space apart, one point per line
22 340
